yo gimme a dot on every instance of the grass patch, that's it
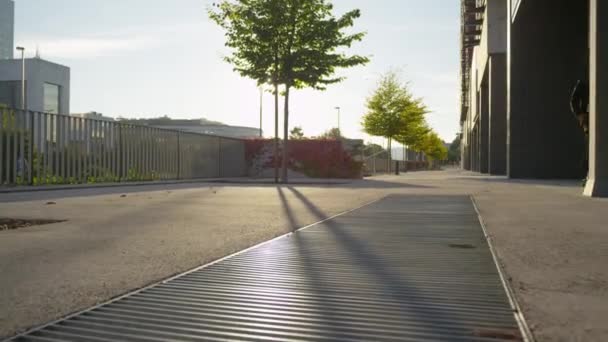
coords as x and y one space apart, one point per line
10 223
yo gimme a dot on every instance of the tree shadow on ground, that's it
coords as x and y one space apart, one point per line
393 287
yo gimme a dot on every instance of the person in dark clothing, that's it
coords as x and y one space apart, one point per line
579 104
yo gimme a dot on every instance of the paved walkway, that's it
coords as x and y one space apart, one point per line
404 268
550 240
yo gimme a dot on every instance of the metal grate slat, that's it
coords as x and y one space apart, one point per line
405 268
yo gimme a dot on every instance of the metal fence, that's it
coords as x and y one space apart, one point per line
41 148
380 163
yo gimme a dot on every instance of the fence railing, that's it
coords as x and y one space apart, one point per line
41 148
380 163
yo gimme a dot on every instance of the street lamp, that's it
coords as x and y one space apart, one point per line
338 109
22 49
261 99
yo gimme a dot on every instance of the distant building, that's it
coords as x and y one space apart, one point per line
201 126
92 115
7 28
47 85
520 63
214 129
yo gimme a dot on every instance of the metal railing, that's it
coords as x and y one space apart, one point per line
379 163
40 148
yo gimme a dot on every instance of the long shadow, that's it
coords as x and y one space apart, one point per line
315 280
390 282
293 224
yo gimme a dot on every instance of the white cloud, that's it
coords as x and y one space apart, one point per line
79 48
118 43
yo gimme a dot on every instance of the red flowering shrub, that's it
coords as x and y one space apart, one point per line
317 158
253 147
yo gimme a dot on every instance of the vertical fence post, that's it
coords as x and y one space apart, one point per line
61 146
47 147
121 161
30 180
2 145
7 136
68 150
2 128
219 157
179 159
79 143
54 143
20 125
15 137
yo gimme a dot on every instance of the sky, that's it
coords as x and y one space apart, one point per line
149 58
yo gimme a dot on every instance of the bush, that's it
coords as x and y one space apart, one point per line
317 158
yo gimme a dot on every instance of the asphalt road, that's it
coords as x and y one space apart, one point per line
112 243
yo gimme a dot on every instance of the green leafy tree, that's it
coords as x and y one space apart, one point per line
394 113
433 147
454 150
295 43
333 133
296 133
254 32
371 149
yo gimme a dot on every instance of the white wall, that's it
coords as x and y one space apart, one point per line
38 72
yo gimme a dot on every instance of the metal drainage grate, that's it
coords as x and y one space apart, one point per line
385 272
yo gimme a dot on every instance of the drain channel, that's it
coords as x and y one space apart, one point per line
385 272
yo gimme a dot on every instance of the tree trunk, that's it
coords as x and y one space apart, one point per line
276 133
389 158
286 135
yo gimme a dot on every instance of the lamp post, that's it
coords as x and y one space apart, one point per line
261 99
22 49
338 109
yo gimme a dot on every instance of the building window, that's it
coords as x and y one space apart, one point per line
51 98
10 94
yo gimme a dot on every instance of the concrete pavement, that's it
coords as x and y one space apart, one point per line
549 238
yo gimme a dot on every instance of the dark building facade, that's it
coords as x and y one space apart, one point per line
520 62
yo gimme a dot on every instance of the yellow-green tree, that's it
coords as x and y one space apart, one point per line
433 147
394 113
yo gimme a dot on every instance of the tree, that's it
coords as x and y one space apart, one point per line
296 42
433 147
394 113
371 149
454 150
296 133
333 133
253 32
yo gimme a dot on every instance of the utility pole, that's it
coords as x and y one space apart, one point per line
261 99
338 109
276 133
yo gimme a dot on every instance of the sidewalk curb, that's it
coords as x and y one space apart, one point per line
173 182
524 328
91 186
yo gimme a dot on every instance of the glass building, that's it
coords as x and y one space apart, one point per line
7 28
